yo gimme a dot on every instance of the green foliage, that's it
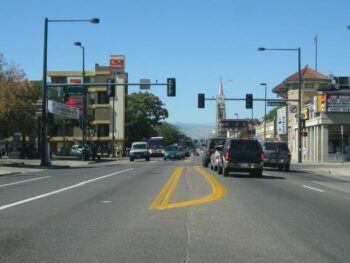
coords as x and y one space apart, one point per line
272 114
144 112
17 98
170 132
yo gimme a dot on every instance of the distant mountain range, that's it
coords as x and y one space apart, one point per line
195 131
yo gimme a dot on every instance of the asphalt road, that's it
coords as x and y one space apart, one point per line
172 211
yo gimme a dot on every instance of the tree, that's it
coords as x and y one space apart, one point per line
272 114
144 112
16 101
170 132
17 98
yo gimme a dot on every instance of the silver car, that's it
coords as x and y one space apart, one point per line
215 158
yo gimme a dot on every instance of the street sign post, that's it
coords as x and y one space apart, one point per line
276 103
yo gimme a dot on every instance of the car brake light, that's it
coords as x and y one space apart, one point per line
289 154
227 155
262 156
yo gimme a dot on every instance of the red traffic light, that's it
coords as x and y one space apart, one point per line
71 102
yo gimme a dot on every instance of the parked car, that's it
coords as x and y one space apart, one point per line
277 154
215 158
210 148
241 155
139 150
77 150
173 152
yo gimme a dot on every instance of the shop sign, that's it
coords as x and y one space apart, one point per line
338 103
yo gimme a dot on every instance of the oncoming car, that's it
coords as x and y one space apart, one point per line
139 150
172 152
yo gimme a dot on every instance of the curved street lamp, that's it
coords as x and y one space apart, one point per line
78 44
299 92
44 145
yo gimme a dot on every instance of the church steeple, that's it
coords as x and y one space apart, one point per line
221 91
220 107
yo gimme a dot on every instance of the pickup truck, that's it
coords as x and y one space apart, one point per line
241 155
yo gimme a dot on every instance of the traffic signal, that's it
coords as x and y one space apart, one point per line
111 88
171 87
249 101
201 100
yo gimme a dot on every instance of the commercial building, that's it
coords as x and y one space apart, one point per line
105 127
325 113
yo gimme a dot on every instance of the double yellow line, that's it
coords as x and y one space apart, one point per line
163 198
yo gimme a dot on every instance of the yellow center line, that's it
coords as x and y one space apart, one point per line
162 200
156 203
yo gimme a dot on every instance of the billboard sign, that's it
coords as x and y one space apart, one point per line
282 120
62 110
117 63
338 103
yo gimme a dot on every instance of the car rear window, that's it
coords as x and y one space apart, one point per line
216 142
276 146
245 145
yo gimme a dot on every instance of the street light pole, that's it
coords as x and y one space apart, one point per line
264 84
299 93
84 102
44 146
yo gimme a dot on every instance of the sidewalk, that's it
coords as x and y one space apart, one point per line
332 169
17 166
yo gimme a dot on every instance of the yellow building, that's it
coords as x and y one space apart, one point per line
100 128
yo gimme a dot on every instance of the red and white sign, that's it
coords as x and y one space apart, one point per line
74 80
117 62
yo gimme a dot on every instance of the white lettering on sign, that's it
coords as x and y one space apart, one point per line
338 103
62 110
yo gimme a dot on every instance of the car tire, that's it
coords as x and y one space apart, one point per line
287 167
164 159
219 170
131 159
280 168
147 159
259 173
225 171
205 164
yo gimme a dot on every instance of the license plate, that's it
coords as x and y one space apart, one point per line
244 165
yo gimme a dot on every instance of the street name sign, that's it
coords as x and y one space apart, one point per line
276 103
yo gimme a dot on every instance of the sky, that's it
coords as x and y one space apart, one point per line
196 41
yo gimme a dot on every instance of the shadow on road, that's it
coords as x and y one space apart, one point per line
250 177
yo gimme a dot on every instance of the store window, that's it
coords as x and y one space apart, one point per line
338 144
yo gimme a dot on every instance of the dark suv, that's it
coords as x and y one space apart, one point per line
210 149
241 155
277 154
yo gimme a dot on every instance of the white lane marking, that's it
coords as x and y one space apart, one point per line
312 188
60 190
25 181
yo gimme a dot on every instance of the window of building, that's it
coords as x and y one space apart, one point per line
338 145
103 98
103 130
92 98
309 85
